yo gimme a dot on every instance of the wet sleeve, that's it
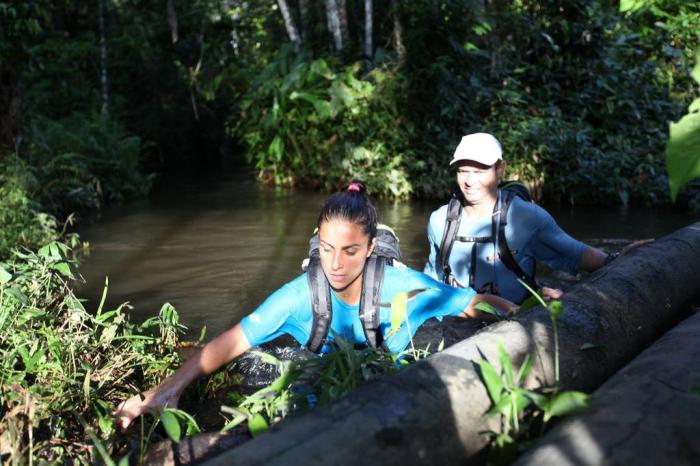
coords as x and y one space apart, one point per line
276 316
429 268
554 247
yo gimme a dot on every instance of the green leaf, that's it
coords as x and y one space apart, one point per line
398 311
524 369
494 385
257 424
630 6
555 308
587 346
63 268
565 403
683 152
506 365
483 306
18 295
171 424
696 70
5 276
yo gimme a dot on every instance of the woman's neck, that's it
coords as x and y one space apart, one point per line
351 293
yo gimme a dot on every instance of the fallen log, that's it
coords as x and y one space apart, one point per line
645 414
432 412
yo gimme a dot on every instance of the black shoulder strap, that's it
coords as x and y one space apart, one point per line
504 253
320 302
454 214
372 280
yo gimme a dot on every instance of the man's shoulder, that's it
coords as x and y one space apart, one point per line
439 214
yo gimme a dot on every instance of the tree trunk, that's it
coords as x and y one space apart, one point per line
333 18
304 19
368 30
433 411
289 22
398 31
343 20
10 110
172 21
103 60
645 414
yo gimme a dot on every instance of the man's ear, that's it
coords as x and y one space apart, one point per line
371 246
501 168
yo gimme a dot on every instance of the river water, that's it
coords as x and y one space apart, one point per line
215 246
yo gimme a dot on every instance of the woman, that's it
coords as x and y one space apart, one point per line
347 227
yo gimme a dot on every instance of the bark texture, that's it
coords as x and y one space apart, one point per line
432 412
645 414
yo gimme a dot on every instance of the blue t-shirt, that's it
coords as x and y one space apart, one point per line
288 310
532 235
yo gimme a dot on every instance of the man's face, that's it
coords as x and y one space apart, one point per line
478 183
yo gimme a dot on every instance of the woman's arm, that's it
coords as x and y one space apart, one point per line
218 352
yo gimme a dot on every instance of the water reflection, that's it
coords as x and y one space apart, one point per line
216 248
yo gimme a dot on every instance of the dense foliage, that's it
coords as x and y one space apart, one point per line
96 96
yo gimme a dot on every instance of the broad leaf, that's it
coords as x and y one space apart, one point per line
565 403
683 152
5 276
398 311
171 424
506 365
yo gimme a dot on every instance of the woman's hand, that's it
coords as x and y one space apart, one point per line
152 401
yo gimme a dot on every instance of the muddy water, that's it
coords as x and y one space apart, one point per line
216 246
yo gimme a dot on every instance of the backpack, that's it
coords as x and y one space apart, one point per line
509 190
386 251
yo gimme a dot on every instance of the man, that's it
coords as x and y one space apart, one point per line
469 249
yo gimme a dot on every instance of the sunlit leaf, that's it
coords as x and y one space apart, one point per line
565 403
630 6
494 385
398 311
257 424
171 425
5 276
683 152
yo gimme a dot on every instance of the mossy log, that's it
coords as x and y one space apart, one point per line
432 412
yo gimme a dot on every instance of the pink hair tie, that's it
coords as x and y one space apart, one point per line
355 187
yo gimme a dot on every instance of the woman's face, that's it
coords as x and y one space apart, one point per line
344 247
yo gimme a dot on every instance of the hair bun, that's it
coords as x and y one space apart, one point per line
356 186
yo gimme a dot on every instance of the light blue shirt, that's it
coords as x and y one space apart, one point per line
288 310
532 235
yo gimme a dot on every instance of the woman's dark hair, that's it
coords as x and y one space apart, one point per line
351 205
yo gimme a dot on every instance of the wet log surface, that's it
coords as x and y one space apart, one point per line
432 412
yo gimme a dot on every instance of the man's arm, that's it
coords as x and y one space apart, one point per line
593 258
495 301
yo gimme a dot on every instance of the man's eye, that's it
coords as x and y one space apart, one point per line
326 249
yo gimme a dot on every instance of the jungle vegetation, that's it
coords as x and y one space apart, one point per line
96 98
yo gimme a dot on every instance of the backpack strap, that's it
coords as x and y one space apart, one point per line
320 300
504 252
372 280
454 214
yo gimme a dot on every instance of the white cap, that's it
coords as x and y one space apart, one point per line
479 147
